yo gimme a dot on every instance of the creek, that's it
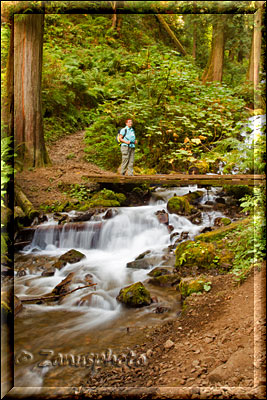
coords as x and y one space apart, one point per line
98 323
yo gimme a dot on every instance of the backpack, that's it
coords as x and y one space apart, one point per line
118 136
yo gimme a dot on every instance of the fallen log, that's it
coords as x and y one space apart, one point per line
24 203
54 297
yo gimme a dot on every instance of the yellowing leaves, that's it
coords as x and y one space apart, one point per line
187 140
202 137
196 141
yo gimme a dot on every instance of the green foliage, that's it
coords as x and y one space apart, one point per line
95 77
6 167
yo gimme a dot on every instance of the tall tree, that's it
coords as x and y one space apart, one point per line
253 72
214 68
28 121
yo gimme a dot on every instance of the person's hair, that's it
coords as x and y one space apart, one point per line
129 119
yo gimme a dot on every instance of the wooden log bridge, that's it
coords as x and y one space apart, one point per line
181 179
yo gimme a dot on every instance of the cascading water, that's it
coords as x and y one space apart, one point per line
108 246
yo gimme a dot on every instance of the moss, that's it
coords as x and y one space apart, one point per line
192 253
192 196
107 198
222 231
179 205
158 272
135 295
202 166
165 280
226 221
188 286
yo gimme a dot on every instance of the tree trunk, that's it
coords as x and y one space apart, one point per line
28 121
214 68
255 51
171 34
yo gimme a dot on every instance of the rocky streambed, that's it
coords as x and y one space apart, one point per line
91 284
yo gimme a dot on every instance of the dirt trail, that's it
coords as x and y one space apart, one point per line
41 185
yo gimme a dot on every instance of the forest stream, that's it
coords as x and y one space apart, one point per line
91 320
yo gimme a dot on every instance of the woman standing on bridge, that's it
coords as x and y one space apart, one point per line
128 142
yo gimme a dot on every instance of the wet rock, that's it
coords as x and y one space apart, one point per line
163 217
195 218
48 272
63 286
161 310
85 216
220 221
86 299
142 255
135 295
139 264
220 200
206 229
71 257
170 228
158 271
21 272
168 280
112 212
175 234
179 205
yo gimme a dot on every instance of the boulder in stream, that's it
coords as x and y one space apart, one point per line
158 271
163 217
135 295
139 264
167 280
72 256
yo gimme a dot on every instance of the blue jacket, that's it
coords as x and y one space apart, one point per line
130 135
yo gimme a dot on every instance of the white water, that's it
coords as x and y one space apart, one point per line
120 240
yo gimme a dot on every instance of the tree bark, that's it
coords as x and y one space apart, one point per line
171 34
214 68
28 120
255 51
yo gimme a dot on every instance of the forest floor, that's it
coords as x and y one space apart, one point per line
41 185
214 349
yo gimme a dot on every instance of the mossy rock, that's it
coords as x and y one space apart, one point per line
193 196
158 271
107 198
135 295
191 253
71 257
179 205
221 232
187 286
167 280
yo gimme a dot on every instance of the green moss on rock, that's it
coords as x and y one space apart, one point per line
192 253
135 295
179 205
188 286
165 280
158 271
222 231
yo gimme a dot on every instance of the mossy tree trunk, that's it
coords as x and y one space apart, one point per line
28 121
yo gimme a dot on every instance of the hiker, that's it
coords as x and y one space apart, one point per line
128 142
